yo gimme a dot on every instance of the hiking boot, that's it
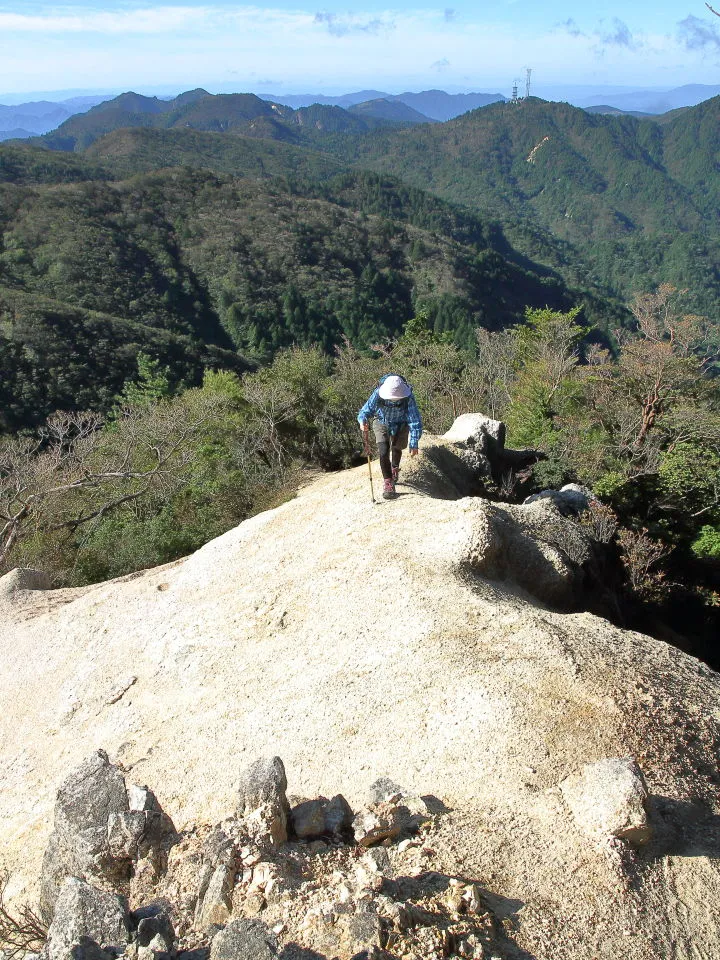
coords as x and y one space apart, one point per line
395 474
389 490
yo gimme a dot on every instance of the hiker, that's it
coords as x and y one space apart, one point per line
396 421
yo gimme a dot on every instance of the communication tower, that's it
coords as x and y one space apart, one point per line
515 98
527 82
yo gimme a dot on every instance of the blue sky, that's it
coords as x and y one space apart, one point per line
317 46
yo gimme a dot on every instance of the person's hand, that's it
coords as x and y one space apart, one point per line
413 451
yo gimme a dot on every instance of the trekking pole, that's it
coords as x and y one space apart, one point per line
367 453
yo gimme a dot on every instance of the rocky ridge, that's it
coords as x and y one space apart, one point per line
429 640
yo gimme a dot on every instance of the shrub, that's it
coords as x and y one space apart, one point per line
707 544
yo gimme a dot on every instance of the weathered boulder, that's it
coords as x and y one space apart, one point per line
388 820
97 836
92 795
338 817
383 789
475 430
580 497
608 799
361 934
262 797
155 935
478 442
534 546
570 500
22 578
88 919
217 879
321 818
244 940
215 903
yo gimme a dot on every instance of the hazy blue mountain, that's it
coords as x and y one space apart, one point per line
17 134
81 104
297 100
433 104
439 105
606 110
383 109
653 101
34 118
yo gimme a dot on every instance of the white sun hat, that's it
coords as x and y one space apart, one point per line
394 388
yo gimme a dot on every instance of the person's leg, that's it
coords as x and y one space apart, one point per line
382 439
399 443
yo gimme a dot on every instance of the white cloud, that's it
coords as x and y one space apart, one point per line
340 25
150 20
389 48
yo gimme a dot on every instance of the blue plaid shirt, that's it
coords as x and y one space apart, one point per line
394 414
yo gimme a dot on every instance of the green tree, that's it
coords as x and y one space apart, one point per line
548 353
151 384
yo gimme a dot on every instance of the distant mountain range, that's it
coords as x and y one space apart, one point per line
393 110
250 227
435 104
235 113
40 116
606 110
17 134
653 101
35 118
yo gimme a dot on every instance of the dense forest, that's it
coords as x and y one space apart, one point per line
196 298
194 265
612 202
624 201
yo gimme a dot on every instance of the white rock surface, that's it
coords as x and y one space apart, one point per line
359 641
609 798
470 427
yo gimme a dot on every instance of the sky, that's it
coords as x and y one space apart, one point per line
326 46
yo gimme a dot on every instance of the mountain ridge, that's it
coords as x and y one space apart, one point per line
466 687
221 113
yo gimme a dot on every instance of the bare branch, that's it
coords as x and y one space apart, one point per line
79 471
22 933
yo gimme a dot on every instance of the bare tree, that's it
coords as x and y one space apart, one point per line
658 394
79 469
274 403
488 382
641 555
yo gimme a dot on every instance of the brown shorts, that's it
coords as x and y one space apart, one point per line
385 442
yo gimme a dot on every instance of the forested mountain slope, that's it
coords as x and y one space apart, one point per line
235 264
223 113
55 356
610 202
635 200
138 150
